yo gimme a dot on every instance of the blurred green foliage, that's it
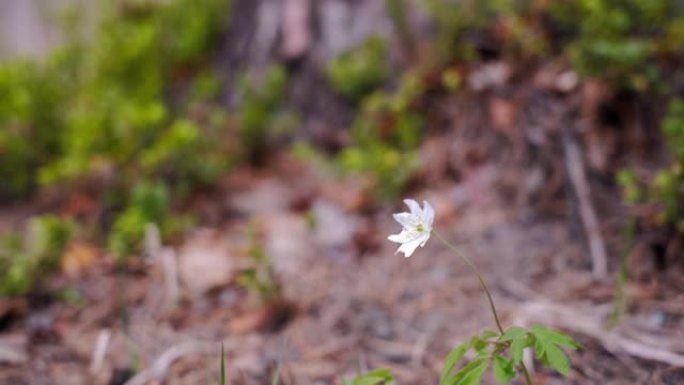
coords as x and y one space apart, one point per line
148 202
627 42
356 72
261 116
673 128
620 40
118 112
508 24
103 103
375 377
386 129
259 278
131 103
664 192
454 19
385 135
632 45
668 185
30 121
130 106
24 259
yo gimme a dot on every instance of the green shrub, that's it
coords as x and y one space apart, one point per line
192 27
664 192
30 121
457 20
148 203
667 189
16 275
358 71
619 40
101 103
120 107
261 116
120 112
673 128
258 278
390 168
24 260
385 135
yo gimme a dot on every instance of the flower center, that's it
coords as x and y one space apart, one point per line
420 228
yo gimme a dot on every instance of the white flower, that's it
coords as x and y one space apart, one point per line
417 227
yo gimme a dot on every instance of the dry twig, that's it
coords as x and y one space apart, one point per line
100 350
171 281
578 179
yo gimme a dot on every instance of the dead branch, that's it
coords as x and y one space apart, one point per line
169 264
100 350
578 179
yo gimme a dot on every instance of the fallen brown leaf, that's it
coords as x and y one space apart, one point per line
77 258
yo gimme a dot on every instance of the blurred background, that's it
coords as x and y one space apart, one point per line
179 174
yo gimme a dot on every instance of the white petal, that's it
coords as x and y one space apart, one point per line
407 220
409 247
404 236
424 237
428 214
414 206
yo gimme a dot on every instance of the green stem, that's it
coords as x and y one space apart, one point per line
473 268
528 379
618 306
479 277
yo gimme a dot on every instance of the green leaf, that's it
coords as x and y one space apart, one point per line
451 359
472 373
552 336
513 333
276 375
503 370
517 347
223 366
375 377
478 343
487 334
557 359
547 348
369 380
539 348
464 371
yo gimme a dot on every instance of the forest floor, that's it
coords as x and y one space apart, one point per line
348 303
